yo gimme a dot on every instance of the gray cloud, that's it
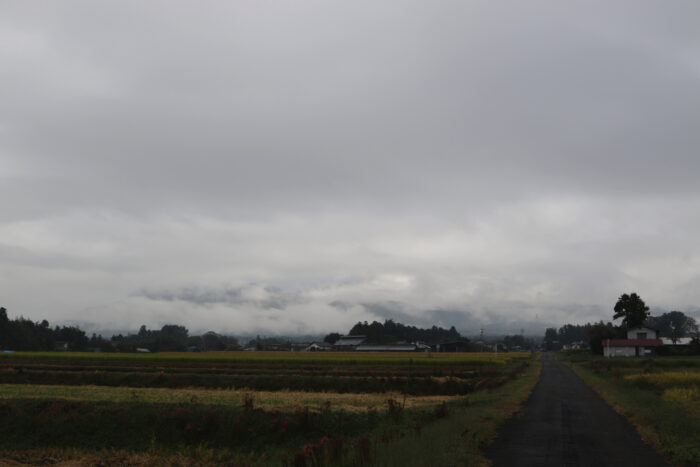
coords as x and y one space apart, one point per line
265 298
501 162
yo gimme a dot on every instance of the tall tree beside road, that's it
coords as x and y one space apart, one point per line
599 332
632 309
4 327
551 339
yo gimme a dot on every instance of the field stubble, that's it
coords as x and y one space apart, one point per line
373 409
267 400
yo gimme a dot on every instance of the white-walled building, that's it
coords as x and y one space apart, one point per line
677 341
318 347
640 341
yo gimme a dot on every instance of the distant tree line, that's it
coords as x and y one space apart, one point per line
634 312
590 334
391 332
517 342
273 343
172 338
24 334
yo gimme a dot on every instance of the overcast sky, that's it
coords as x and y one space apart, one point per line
297 166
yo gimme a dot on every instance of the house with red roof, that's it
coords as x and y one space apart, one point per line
640 341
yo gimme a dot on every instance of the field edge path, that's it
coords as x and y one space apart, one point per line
565 423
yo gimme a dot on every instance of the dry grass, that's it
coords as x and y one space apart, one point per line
687 397
268 400
668 379
78 458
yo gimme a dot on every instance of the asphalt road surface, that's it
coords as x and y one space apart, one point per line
565 423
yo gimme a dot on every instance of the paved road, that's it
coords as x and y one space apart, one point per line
565 423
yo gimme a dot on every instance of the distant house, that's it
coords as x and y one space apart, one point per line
575 345
422 346
318 347
61 346
349 342
286 347
640 341
386 348
456 346
678 341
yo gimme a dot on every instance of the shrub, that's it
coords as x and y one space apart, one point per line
394 408
248 401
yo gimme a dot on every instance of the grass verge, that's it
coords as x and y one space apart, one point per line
470 426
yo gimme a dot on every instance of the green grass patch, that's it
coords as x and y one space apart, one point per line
470 426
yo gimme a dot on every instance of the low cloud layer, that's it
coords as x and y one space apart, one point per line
260 166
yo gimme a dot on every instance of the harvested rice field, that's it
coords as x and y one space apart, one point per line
251 408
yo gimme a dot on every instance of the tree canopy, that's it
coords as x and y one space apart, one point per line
632 309
597 332
674 324
24 334
391 332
